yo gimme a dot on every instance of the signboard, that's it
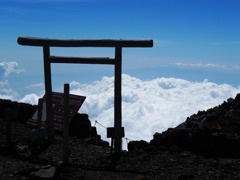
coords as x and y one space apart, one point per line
75 102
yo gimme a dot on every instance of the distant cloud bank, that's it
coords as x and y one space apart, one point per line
147 106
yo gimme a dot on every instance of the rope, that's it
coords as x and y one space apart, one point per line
127 139
96 122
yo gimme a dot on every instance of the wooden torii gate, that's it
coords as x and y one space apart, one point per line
118 131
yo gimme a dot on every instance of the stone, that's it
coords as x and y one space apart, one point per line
237 97
25 111
81 126
137 145
97 141
46 173
38 134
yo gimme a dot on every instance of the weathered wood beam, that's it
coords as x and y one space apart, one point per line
81 60
48 90
66 125
118 102
32 41
39 117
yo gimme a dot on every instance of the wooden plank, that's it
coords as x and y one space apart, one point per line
118 102
66 124
48 90
32 41
81 60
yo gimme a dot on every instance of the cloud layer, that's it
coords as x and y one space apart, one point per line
147 106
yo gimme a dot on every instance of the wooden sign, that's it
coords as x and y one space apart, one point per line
75 102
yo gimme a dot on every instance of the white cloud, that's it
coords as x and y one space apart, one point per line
214 43
3 83
8 94
163 43
236 67
10 67
149 106
200 65
223 43
208 65
34 86
30 98
236 42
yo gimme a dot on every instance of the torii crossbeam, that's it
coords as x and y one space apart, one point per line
117 132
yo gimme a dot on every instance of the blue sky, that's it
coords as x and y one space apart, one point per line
194 40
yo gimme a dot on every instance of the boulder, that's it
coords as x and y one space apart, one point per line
137 145
81 127
24 111
44 173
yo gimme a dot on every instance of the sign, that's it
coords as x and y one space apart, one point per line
75 102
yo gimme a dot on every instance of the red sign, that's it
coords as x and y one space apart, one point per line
75 102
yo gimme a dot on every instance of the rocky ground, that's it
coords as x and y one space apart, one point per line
184 152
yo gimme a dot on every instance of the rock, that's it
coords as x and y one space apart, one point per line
81 126
26 172
44 173
97 141
25 111
141 177
188 135
156 139
137 145
186 176
230 100
176 153
237 97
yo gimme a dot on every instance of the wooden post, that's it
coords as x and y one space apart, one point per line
39 118
48 90
9 115
8 119
66 125
118 102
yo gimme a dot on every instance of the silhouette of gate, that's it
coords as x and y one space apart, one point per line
115 133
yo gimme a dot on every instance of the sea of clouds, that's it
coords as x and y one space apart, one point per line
147 106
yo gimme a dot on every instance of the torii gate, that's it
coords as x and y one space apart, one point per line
118 131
